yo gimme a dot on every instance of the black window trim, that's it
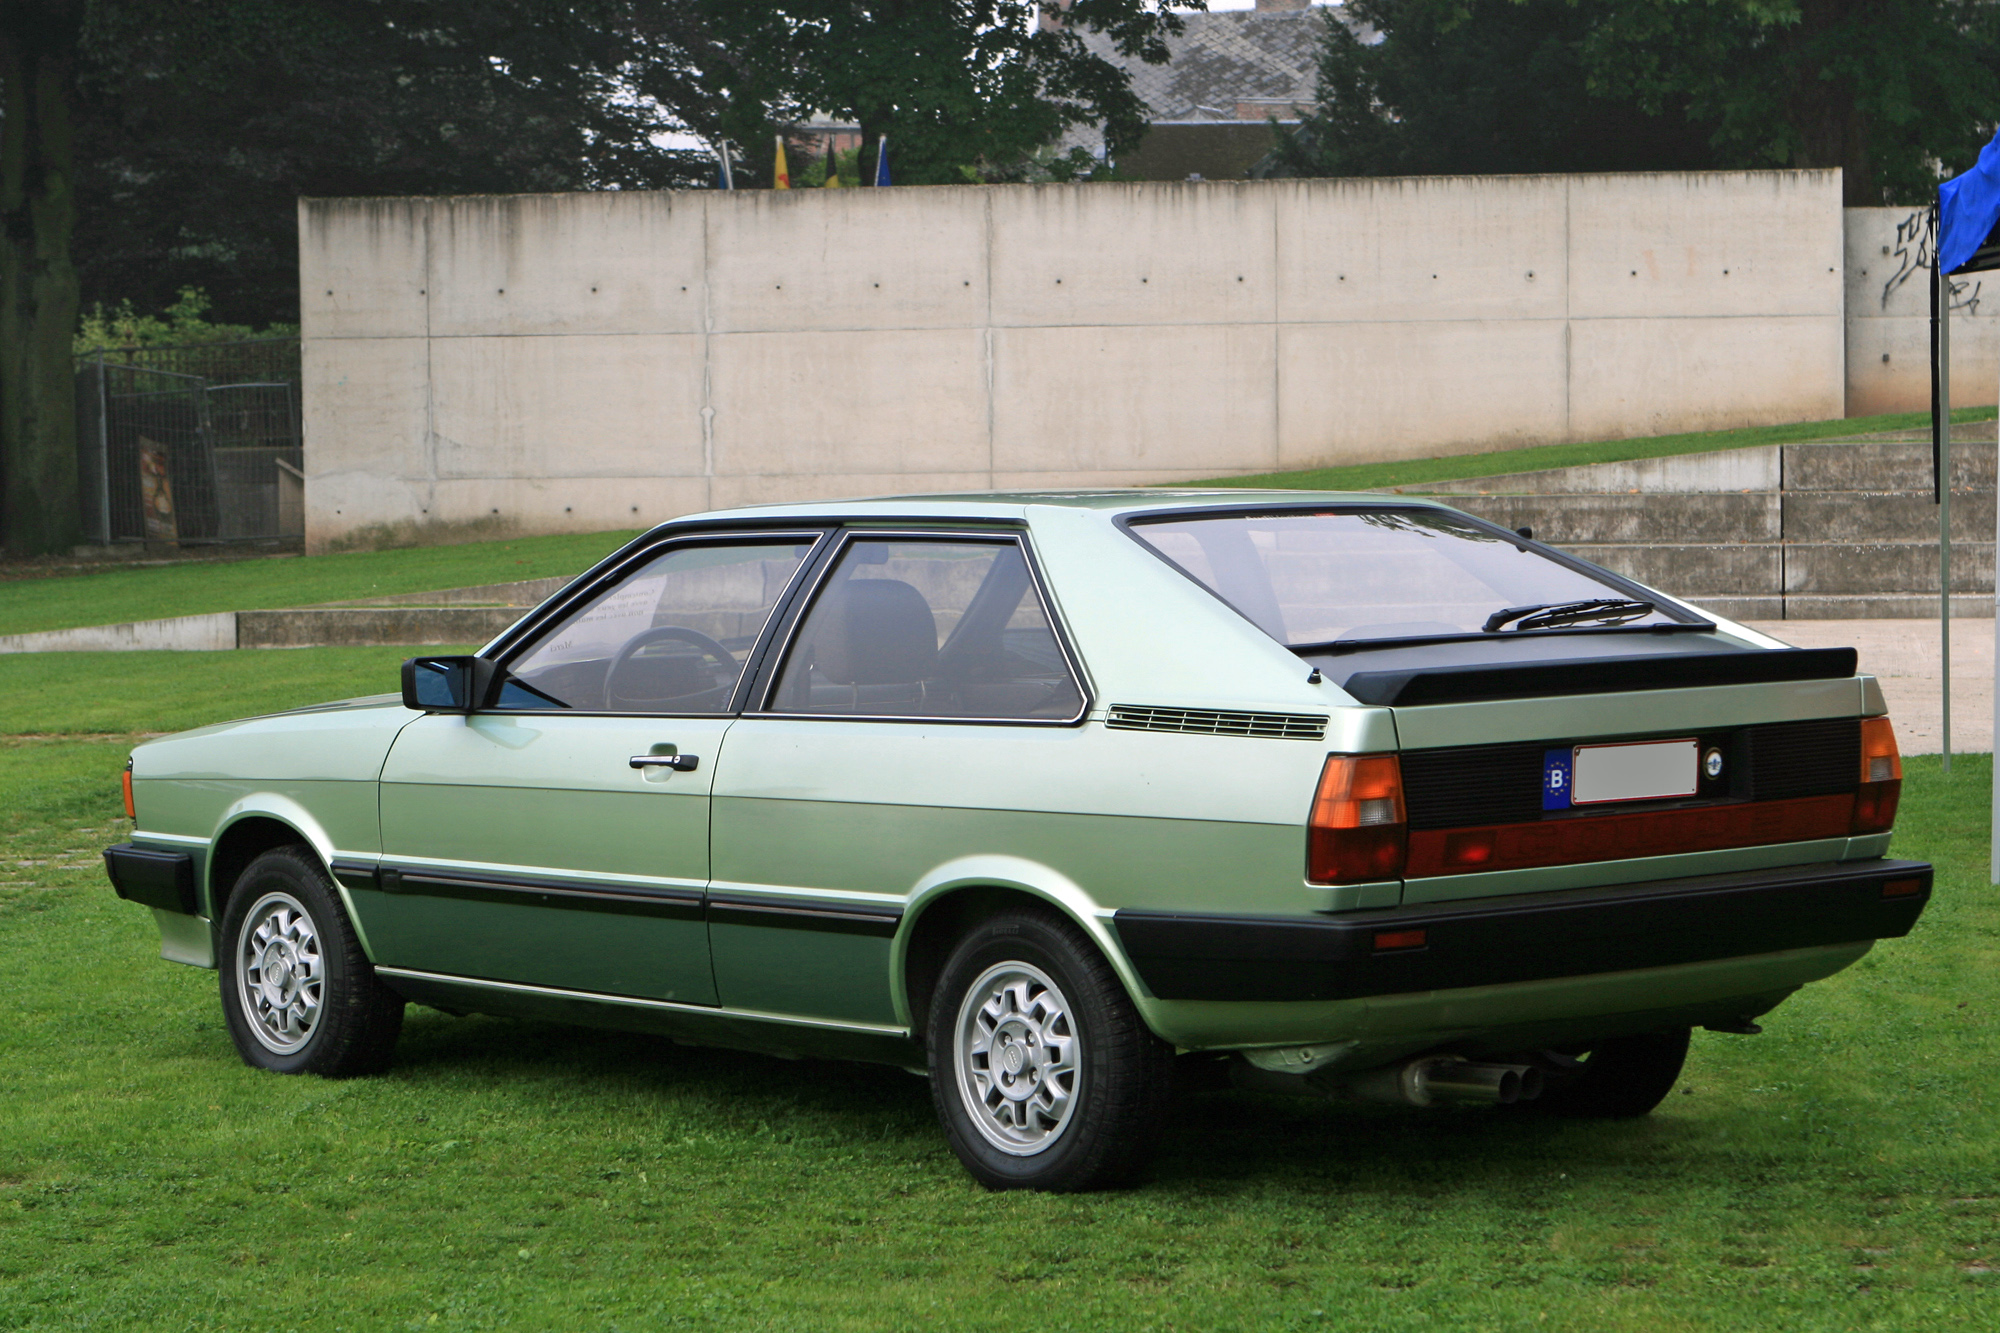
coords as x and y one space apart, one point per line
620 564
806 595
1125 523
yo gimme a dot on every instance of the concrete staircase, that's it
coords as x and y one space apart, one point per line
1833 530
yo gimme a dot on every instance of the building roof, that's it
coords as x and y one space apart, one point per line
1235 65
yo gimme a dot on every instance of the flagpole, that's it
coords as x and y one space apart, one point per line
1944 501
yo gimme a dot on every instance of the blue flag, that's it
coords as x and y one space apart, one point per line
1968 206
882 160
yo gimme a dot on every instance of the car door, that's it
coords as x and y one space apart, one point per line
561 838
924 681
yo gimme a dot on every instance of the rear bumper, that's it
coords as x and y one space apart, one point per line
1531 937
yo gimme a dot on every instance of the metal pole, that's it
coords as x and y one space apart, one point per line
103 452
1944 503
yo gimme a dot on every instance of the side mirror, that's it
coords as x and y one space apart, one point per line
448 684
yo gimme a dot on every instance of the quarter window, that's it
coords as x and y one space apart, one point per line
947 629
670 637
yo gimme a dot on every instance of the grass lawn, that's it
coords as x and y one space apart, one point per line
113 596
1417 471
1840 1172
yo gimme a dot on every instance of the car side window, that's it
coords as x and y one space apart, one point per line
921 628
672 636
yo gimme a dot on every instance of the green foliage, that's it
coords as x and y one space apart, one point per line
1836 1173
961 87
1890 91
200 124
1475 86
183 323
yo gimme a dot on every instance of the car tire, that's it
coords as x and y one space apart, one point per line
298 993
1043 1073
1618 1080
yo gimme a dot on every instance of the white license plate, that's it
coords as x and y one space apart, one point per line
1644 771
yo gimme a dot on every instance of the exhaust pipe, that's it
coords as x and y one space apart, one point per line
1430 1079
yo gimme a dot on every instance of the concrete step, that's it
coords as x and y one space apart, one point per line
1869 466
1695 572
1792 569
358 627
1910 606
529 592
1910 568
1741 608
451 616
1759 516
1675 518
1872 516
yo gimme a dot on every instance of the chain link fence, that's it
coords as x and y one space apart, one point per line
192 445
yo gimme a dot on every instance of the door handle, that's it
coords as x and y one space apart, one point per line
680 763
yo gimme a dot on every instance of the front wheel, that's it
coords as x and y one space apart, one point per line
298 993
1042 1071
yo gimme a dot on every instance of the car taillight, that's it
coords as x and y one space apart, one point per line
130 812
1881 778
1358 829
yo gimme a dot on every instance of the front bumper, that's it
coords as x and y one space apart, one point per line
1530 937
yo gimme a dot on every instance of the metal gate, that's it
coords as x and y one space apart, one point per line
178 446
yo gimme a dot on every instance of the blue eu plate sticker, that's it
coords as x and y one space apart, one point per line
1555 779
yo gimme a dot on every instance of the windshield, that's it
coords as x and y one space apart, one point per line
1321 578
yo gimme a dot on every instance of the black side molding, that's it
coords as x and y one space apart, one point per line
523 890
1597 675
153 878
804 914
1528 937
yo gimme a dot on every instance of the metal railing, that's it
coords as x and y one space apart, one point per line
192 445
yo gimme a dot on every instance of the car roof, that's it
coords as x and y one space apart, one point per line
1015 505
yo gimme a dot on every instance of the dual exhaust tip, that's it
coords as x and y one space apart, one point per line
1424 1080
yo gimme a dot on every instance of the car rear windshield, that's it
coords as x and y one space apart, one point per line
1356 575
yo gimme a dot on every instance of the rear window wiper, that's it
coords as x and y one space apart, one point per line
1597 610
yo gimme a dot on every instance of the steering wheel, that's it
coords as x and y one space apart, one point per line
664 634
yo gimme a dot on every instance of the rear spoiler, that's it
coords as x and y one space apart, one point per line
1596 675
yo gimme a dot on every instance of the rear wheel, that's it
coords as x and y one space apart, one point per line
1619 1079
298 993
1042 1071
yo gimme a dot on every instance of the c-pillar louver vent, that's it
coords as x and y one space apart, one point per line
1217 722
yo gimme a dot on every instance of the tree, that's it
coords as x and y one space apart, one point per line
167 146
965 89
38 55
1886 90
1476 86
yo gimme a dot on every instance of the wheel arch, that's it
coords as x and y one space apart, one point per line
956 894
251 827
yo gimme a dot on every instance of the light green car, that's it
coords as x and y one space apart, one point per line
1060 798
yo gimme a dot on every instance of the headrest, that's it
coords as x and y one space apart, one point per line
875 632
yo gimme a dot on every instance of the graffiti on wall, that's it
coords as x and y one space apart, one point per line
1912 253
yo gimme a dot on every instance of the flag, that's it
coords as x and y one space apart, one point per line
1968 206
781 174
882 160
832 165
725 179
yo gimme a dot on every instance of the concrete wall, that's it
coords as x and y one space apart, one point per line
579 362
1889 314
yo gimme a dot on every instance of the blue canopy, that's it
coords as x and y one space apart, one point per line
1968 206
